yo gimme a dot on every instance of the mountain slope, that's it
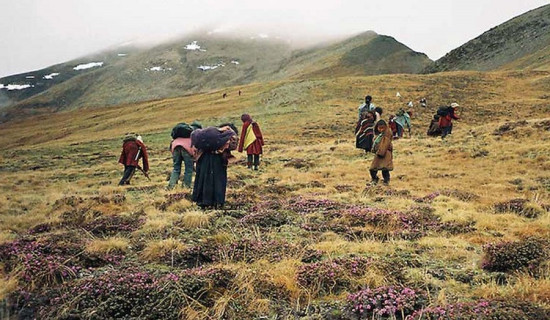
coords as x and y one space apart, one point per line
520 43
366 54
196 64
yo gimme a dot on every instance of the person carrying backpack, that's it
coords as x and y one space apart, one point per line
182 151
251 140
447 115
383 149
214 145
364 131
402 120
133 149
367 106
433 129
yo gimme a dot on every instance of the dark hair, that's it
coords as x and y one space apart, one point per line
379 123
379 110
230 125
368 99
436 117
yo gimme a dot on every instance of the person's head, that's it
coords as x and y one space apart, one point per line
454 105
246 118
436 117
370 115
378 110
368 99
381 126
392 117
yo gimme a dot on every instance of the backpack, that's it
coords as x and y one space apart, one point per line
130 137
443 111
182 130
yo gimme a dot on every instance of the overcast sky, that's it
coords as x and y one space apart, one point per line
38 33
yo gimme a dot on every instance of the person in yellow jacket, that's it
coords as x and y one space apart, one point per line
252 141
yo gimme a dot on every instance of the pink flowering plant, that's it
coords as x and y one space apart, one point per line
330 276
386 302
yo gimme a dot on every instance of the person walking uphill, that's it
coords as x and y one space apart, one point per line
383 149
447 115
367 106
214 147
133 149
252 141
402 120
182 151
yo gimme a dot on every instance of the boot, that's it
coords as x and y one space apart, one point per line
256 168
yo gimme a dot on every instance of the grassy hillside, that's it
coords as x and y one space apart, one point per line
174 69
521 43
298 237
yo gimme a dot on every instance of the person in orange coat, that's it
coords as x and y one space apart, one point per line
251 141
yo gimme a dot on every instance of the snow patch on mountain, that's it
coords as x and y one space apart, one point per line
235 62
51 75
11 87
211 67
85 66
194 46
122 54
29 77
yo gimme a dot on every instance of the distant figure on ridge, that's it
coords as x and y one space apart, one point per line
240 92
224 95
423 102
214 145
252 141
133 149
182 151
364 131
382 148
367 106
446 117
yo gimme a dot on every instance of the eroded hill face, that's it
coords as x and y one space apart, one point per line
195 64
522 43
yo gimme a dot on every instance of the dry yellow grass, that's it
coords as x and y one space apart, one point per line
196 219
108 245
160 248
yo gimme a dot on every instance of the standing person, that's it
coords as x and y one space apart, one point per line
133 149
252 141
402 120
447 115
383 150
364 131
182 151
367 106
214 145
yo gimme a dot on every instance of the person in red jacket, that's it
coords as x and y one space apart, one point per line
251 141
446 121
133 149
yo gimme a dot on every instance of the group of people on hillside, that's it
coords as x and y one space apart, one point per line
207 151
375 135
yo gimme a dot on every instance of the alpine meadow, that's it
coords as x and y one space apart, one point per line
462 230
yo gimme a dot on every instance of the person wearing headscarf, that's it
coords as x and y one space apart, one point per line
214 145
383 149
252 141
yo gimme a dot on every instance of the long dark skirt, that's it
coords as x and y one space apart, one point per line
210 181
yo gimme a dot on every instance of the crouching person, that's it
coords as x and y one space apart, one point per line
133 149
382 148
